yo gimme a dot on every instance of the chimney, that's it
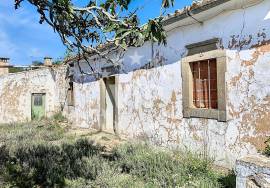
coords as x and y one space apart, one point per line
4 66
47 61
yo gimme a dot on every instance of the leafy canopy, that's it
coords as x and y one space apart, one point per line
85 29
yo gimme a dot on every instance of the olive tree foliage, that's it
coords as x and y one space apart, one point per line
85 30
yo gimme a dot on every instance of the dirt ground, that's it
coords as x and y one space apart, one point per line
105 139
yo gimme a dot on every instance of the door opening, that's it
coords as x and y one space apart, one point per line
110 105
38 106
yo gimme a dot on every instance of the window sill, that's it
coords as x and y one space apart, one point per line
205 113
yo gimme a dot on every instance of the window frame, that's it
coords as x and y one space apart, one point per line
189 110
38 99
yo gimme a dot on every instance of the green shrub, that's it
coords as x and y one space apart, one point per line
163 168
18 175
109 176
41 154
48 165
4 155
76 183
267 149
228 180
18 135
82 164
92 167
59 117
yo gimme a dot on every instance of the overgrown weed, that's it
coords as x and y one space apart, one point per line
38 154
267 149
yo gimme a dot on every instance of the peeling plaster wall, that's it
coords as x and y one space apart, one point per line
150 100
16 90
150 107
253 171
86 111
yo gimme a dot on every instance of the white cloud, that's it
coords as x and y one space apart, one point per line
22 38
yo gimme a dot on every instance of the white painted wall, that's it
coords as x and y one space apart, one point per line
150 101
16 91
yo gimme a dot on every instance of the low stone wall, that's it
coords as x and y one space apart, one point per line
253 172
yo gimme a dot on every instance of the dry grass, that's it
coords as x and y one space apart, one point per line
67 158
52 131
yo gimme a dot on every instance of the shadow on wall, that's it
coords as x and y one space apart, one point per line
159 60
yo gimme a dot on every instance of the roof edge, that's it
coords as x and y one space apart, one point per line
193 9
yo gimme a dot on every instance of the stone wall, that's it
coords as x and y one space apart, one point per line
253 172
16 90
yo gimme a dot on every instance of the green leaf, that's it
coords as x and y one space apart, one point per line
167 3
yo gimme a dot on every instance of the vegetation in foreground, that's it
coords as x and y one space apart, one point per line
40 154
267 149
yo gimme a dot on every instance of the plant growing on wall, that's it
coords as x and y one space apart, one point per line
88 29
267 149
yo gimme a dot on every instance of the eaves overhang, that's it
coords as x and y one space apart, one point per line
203 12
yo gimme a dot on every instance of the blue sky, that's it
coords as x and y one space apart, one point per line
24 40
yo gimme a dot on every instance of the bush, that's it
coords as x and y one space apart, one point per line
17 135
162 168
48 165
41 154
4 155
267 149
82 164
229 180
59 117
76 183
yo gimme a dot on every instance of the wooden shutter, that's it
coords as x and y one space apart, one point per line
205 84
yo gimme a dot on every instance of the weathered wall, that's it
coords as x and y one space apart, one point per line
150 100
86 110
4 62
150 106
16 90
253 172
